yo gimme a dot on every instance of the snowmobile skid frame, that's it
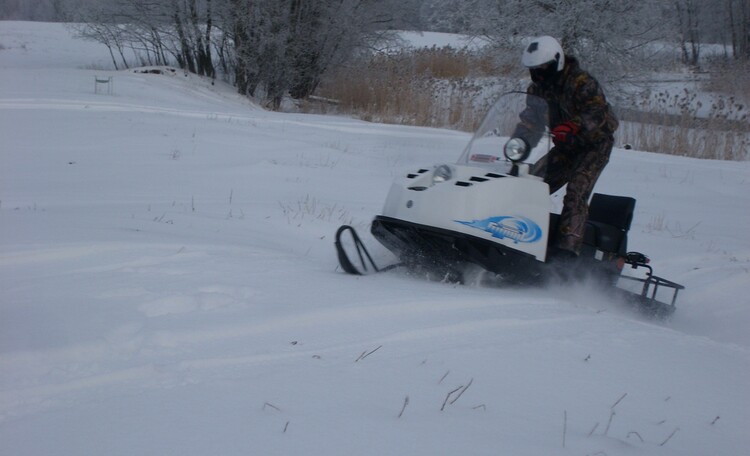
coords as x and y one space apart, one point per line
646 301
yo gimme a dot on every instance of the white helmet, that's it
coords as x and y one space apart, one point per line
541 50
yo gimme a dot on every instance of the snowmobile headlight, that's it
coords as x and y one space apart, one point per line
516 150
441 174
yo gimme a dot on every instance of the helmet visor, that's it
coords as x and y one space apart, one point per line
543 73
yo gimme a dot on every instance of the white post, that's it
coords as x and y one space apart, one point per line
108 80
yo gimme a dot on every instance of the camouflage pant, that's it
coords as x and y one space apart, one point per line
580 169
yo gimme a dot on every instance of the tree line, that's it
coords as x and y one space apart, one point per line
266 48
691 23
271 48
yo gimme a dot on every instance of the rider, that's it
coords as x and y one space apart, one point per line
582 125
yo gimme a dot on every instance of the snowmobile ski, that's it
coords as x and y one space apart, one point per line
362 253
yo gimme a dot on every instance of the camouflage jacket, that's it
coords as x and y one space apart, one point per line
575 96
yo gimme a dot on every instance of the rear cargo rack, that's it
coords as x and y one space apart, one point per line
647 298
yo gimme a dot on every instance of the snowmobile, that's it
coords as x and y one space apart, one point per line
493 210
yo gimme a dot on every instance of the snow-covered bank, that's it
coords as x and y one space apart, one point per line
168 285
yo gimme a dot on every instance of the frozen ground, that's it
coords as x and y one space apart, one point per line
168 286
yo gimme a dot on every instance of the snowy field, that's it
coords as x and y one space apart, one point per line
168 286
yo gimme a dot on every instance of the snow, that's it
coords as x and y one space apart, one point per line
168 286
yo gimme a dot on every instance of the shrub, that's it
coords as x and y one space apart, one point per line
448 88
437 87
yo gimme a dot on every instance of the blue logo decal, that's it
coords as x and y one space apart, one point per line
517 229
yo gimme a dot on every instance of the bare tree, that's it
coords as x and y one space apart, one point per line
615 39
688 14
285 46
738 19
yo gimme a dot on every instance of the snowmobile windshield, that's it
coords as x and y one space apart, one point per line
514 115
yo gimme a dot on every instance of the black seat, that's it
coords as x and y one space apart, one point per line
609 221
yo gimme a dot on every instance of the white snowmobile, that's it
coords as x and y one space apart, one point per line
495 212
